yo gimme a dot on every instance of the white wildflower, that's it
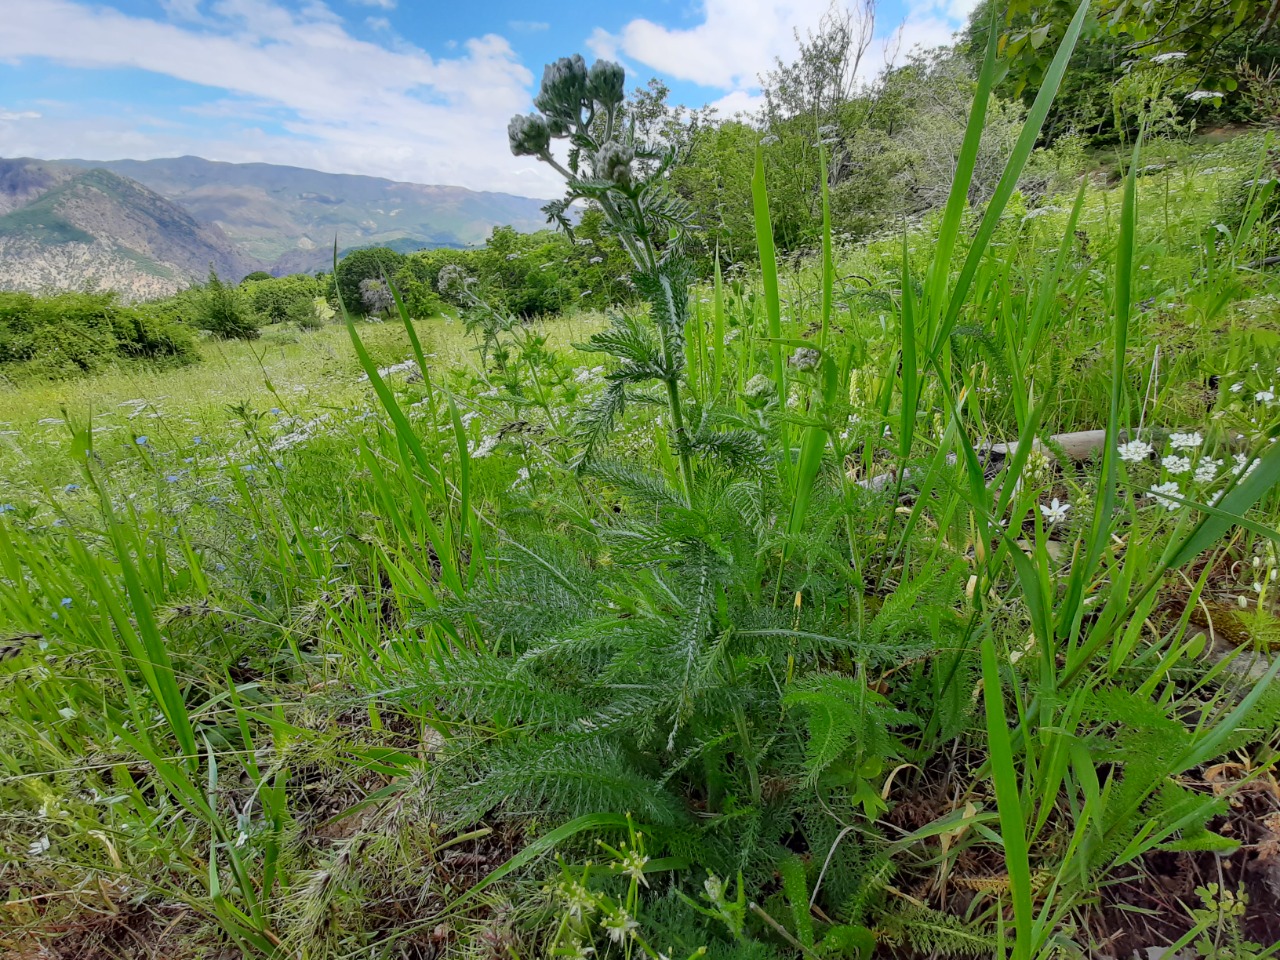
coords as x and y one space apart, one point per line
620 927
1237 387
1176 465
1168 57
578 902
487 445
1185 441
1265 396
1245 464
633 866
1206 470
1171 487
1135 451
1196 95
38 847
1055 512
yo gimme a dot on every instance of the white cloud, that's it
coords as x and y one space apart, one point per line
738 40
346 104
528 26
739 101
377 23
381 4
7 115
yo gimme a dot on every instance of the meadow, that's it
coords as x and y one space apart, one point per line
913 597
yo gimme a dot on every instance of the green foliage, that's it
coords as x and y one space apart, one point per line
279 299
781 615
371 263
74 333
1197 47
222 310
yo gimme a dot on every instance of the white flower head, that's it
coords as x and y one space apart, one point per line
1206 470
1237 387
1135 451
577 899
487 445
1171 487
38 847
1176 465
620 927
1055 512
633 866
1185 441
1265 396
1245 464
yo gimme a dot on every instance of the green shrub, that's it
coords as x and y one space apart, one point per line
221 309
359 265
77 333
275 299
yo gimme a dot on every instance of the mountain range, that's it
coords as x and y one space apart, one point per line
150 227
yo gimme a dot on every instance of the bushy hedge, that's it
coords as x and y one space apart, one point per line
525 274
76 333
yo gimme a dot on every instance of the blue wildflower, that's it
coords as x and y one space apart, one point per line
7 508
274 411
197 440
66 602
71 488
140 441
172 478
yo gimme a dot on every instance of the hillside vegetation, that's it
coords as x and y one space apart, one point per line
907 589
148 229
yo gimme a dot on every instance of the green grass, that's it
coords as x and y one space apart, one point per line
334 661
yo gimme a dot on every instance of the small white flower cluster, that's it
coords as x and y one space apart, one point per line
1135 451
1169 488
487 445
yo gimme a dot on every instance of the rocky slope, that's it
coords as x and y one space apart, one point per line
98 230
289 217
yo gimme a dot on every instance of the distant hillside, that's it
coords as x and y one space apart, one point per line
67 229
288 217
23 180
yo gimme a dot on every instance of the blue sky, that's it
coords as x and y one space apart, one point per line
406 89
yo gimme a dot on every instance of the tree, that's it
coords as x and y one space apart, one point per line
221 309
371 263
1201 43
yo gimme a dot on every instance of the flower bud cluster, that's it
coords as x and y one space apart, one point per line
568 89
